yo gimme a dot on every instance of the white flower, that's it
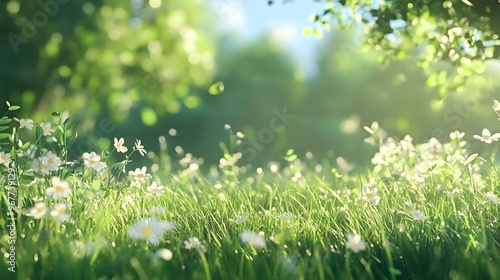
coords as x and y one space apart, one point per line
155 189
38 211
150 229
47 128
51 161
487 137
28 123
492 197
418 215
44 169
155 210
455 192
139 175
192 243
59 212
140 147
240 219
253 239
64 116
92 160
370 195
164 254
4 157
59 190
119 145
354 243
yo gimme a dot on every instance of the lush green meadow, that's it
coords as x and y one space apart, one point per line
419 211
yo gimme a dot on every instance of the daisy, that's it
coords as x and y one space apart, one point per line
51 161
47 128
38 211
253 239
59 190
150 229
354 243
370 195
119 145
92 160
192 243
155 189
140 147
487 137
418 215
4 157
156 210
59 212
139 175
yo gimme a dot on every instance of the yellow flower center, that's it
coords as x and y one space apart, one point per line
147 231
59 189
370 195
50 161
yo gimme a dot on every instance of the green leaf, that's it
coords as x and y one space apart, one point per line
25 145
13 108
216 88
289 152
4 135
56 114
2 128
5 120
8 103
96 184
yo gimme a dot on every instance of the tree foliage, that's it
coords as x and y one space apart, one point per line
104 56
463 33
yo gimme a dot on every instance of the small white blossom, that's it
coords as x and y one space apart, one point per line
119 145
4 158
38 211
92 160
140 147
192 243
487 137
253 239
28 123
164 254
370 195
150 229
139 175
418 215
492 197
354 243
155 189
51 161
59 190
47 128
59 212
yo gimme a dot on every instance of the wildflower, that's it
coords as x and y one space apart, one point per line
495 105
164 254
240 219
155 189
418 215
227 127
155 210
455 192
192 243
456 135
4 157
370 195
38 211
51 161
28 123
119 145
140 147
59 212
44 169
139 175
253 238
487 137
492 197
59 190
64 117
92 160
354 243
47 128
150 229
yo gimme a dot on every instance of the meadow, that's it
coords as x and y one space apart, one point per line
418 211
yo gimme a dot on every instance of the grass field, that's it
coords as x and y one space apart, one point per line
420 211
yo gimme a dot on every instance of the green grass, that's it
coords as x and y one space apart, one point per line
304 219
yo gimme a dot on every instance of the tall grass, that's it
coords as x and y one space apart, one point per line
304 212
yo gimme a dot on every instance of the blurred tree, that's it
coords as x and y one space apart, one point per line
103 57
464 33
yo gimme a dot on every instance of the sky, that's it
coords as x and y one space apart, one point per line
283 19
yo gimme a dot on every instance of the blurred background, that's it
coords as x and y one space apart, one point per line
138 69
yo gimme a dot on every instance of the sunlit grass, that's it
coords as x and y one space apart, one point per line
437 217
